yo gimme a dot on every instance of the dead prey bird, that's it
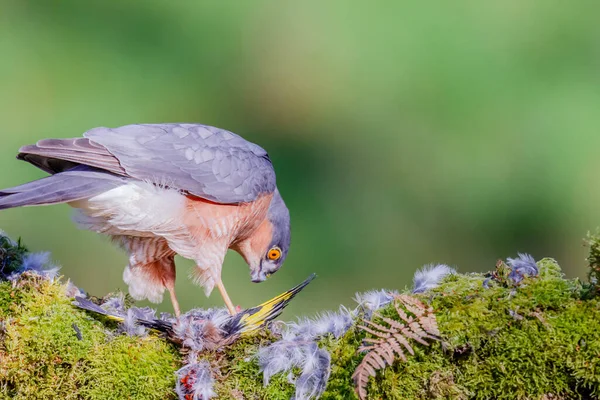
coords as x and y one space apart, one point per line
201 329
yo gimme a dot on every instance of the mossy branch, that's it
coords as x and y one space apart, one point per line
537 337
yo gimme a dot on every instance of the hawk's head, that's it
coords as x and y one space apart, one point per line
267 248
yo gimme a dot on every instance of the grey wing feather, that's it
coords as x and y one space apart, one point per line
207 162
58 155
79 183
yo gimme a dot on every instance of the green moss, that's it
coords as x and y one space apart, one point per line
239 373
593 243
499 342
529 341
144 367
43 357
11 258
532 340
10 299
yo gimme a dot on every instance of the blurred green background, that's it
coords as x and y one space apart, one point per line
402 133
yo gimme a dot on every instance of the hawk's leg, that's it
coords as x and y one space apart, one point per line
226 298
174 302
208 270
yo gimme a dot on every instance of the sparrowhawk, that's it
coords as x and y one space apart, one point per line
165 189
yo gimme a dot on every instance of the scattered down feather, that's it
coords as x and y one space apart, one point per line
293 352
373 300
430 276
37 263
334 323
315 373
522 266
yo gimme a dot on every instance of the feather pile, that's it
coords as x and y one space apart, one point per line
297 351
299 348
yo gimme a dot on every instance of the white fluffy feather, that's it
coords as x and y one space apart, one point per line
430 277
135 207
373 300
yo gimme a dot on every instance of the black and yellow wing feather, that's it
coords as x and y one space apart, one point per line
254 318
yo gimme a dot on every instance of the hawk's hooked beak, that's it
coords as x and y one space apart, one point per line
258 275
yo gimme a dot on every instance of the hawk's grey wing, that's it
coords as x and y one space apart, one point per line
204 161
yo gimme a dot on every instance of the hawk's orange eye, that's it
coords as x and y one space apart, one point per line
274 254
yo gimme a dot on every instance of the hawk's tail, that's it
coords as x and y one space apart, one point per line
78 183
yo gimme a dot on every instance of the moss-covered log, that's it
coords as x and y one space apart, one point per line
50 350
538 338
